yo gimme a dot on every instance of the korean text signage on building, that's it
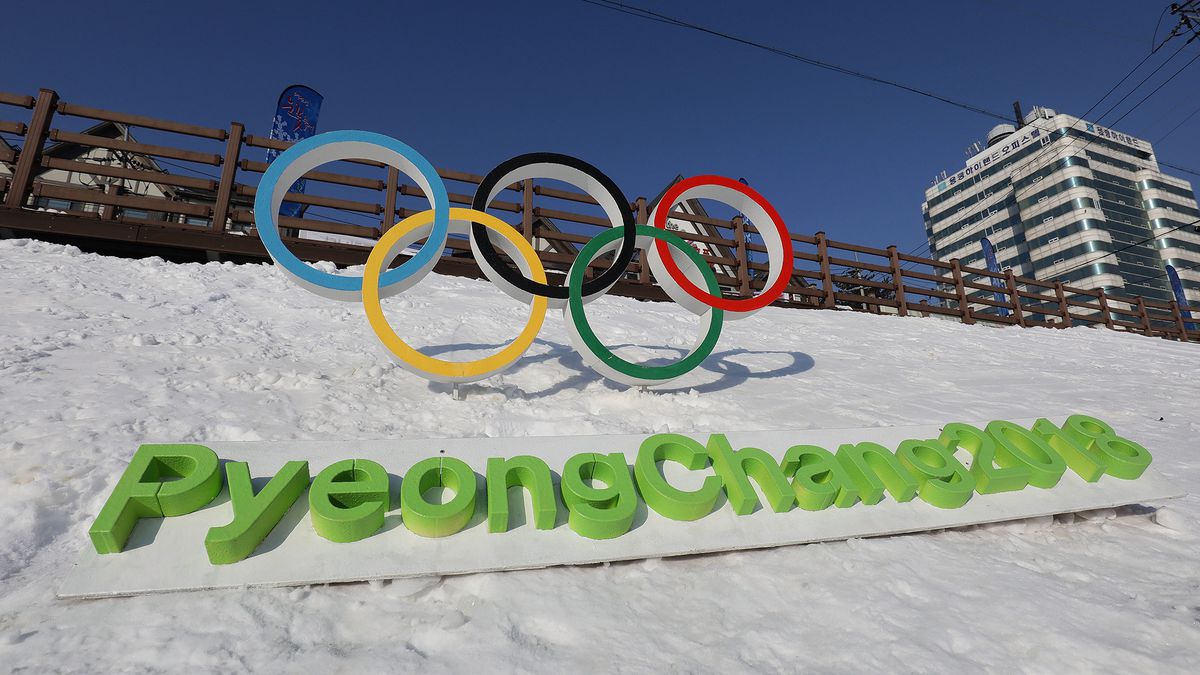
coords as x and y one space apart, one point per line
1010 145
1113 135
994 155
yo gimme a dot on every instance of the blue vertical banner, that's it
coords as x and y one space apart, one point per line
1177 287
295 120
989 257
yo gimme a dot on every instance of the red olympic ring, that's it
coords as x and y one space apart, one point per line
759 301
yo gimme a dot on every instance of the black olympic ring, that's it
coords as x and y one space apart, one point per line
500 176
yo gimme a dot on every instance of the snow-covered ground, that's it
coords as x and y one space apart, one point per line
99 354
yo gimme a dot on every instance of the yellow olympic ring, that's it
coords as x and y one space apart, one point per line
428 366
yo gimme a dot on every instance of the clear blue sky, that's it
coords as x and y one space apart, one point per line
471 83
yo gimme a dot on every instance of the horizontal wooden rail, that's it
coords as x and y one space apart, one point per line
935 309
991 303
572 217
91 141
581 197
141 121
931 293
985 287
912 274
314 200
866 250
845 262
864 299
321 176
987 273
19 100
994 318
155 177
460 198
856 281
129 201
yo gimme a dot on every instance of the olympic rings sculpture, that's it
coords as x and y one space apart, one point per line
682 273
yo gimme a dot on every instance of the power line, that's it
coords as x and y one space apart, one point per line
1151 277
643 13
1156 89
160 160
374 224
1184 169
1176 127
1138 85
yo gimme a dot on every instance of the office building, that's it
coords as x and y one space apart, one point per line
1057 193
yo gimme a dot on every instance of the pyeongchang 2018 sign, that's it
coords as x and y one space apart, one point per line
180 518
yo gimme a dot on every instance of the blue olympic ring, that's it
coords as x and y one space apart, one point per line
332 146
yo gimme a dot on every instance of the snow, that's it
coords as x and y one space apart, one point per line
99 354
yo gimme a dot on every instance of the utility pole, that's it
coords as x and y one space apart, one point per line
1189 20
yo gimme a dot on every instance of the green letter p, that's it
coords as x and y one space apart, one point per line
161 480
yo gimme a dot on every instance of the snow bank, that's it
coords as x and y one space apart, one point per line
99 354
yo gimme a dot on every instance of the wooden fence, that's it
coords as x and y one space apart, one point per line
208 211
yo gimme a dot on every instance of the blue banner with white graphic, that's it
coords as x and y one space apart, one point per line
1177 286
295 119
989 257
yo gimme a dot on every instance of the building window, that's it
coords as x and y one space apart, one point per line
56 204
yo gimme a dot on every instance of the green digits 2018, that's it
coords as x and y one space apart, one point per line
601 493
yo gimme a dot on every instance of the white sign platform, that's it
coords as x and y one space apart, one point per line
168 554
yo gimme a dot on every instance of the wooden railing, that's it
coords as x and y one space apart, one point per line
210 209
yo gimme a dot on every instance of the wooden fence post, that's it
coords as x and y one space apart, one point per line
640 216
527 209
898 281
964 307
743 266
1063 308
108 211
1108 320
828 300
1018 313
229 167
1180 325
21 184
389 200
1143 315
